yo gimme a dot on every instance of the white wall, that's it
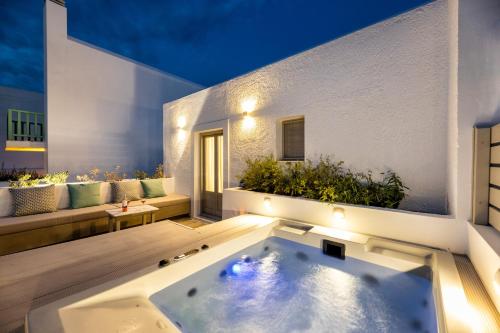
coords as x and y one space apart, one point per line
426 229
478 85
11 98
102 110
376 99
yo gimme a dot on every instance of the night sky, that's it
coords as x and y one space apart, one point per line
205 41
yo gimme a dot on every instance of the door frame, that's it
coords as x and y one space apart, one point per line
217 192
197 132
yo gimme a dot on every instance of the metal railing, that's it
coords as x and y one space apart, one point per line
25 125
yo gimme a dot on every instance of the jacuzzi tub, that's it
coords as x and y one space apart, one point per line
276 278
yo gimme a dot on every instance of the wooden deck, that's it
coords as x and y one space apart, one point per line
32 278
486 313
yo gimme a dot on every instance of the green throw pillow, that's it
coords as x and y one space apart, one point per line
84 195
153 188
34 200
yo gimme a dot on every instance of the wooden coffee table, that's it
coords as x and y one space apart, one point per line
116 216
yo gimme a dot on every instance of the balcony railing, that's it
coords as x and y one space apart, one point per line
25 125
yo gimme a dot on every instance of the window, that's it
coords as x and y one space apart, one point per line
293 140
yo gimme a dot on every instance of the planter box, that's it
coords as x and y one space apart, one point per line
62 195
440 231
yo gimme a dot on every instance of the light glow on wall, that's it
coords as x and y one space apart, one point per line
181 122
248 122
181 135
267 204
248 105
338 214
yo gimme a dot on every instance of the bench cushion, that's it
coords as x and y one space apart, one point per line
10 225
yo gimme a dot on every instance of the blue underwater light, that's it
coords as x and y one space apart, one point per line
236 268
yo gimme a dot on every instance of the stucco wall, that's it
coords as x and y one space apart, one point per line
478 105
102 110
376 99
478 85
11 98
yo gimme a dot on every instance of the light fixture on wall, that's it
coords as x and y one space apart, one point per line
181 122
267 203
248 105
338 214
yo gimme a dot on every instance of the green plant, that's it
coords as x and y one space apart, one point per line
56 177
158 171
262 175
140 174
114 175
92 176
325 180
24 181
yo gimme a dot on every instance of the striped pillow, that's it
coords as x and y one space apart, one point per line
34 200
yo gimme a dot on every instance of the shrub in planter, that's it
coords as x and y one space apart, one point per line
325 180
56 177
158 173
92 176
51 178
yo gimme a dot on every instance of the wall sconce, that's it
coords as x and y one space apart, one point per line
267 203
338 214
181 122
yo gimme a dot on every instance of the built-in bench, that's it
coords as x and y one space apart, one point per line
28 232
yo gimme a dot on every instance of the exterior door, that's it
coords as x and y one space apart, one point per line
211 174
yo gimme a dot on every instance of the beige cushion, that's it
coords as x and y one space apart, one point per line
34 200
131 189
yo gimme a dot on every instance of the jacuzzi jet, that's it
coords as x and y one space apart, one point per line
163 263
192 292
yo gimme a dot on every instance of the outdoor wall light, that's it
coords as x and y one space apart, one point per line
267 203
338 214
181 122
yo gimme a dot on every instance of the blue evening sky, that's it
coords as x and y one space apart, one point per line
205 41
